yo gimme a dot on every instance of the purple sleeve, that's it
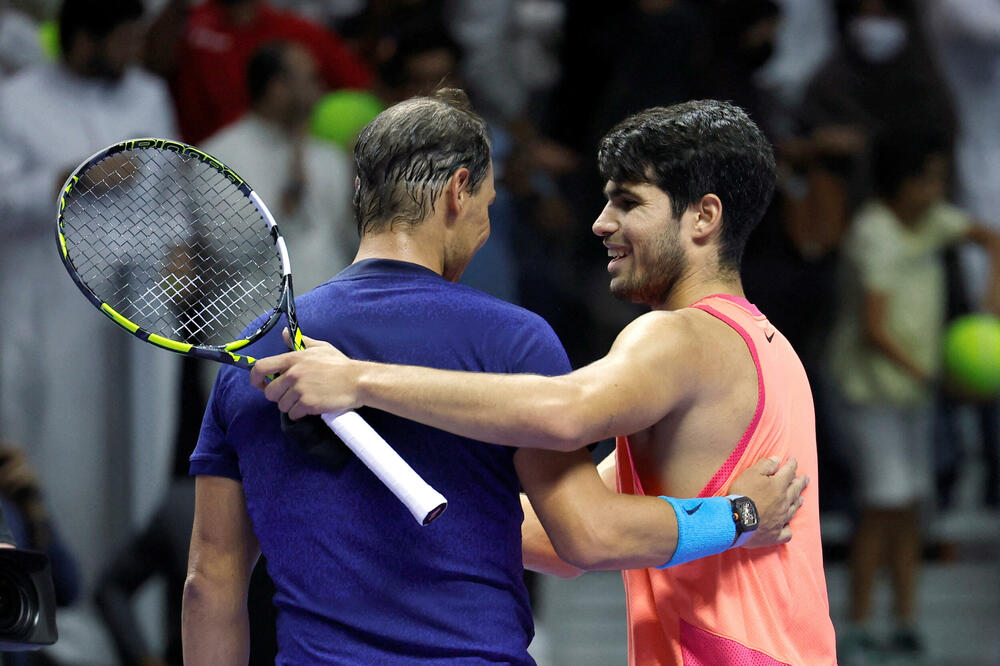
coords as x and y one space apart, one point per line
214 455
538 351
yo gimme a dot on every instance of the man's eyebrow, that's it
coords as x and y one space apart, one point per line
617 190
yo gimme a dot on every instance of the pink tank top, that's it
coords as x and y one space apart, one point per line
749 607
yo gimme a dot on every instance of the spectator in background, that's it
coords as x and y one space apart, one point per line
885 357
881 76
19 40
57 349
966 34
306 182
510 55
745 33
418 60
619 58
673 34
381 25
203 51
805 37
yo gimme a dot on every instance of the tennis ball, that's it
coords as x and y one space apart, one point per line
341 115
48 39
972 353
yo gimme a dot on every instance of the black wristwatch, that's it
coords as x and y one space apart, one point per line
745 518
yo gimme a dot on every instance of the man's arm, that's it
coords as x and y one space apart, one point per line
537 550
588 526
656 362
224 549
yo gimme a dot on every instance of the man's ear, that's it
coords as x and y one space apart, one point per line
708 216
457 190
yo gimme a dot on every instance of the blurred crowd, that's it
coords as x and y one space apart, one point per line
882 113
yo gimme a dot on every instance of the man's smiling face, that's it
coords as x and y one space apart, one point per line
643 240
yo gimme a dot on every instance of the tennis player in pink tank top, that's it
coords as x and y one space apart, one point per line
721 610
697 391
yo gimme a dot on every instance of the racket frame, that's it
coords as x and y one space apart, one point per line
224 353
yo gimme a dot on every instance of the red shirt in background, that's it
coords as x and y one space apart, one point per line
209 85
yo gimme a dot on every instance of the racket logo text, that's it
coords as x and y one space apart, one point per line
183 149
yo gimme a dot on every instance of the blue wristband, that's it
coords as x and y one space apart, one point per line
705 527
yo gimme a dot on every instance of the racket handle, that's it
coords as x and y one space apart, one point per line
424 502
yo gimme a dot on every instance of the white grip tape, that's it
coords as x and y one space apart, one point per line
424 502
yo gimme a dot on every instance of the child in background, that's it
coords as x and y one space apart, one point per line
885 355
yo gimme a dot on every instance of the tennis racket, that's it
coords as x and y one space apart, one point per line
177 249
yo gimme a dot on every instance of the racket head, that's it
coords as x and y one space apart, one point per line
176 248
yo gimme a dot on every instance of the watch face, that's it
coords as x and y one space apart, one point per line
747 513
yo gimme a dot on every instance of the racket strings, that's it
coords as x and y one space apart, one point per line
173 245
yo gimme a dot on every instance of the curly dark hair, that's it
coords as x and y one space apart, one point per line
692 149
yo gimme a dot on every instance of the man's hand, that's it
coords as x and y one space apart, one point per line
316 380
778 495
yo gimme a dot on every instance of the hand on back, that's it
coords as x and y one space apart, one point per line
777 493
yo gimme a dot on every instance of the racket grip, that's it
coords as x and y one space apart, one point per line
421 499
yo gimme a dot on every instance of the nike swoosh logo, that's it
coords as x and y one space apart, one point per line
692 510
769 337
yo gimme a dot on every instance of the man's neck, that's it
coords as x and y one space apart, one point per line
401 247
693 288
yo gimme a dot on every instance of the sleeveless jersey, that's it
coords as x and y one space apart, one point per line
752 607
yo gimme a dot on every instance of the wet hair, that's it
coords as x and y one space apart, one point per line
901 154
405 156
692 149
94 18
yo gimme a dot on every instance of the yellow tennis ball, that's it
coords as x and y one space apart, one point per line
48 39
341 115
972 353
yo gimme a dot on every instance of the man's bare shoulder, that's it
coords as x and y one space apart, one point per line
664 343
693 346
676 332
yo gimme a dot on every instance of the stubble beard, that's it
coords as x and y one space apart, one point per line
656 283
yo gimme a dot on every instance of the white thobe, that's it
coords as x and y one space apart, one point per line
66 372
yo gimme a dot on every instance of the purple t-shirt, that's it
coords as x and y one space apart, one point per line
357 580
